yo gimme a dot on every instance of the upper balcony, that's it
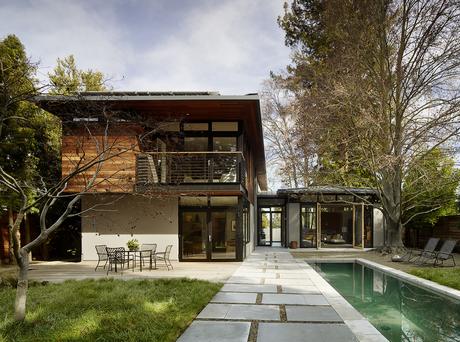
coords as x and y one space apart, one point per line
190 170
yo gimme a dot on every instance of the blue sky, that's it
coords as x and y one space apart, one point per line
228 45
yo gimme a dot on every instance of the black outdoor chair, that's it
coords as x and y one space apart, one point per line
147 251
101 255
164 256
116 256
429 249
445 253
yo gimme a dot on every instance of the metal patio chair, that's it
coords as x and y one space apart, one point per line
147 251
445 253
164 256
116 257
414 253
101 255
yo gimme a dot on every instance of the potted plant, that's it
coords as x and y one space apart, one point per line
133 245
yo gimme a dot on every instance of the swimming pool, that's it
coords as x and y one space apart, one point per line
398 309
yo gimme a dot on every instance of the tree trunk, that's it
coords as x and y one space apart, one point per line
22 287
10 234
27 233
394 234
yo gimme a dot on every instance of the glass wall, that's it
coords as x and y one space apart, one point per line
336 225
308 225
358 226
271 226
208 227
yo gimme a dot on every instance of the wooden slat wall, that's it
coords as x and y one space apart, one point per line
117 174
448 227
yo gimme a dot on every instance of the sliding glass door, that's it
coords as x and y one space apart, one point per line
208 234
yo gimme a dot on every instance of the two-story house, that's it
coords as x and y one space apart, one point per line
185 169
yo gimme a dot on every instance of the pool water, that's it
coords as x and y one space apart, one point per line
399 310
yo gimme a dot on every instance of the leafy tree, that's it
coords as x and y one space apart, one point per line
29 158
67 78
21 144
430 190
377 81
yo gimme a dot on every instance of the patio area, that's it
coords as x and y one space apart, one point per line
58 271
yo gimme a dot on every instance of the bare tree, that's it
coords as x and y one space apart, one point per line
46 197
285 152
389 94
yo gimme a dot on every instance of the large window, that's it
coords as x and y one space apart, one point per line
330 225
308 230
246 223
336 225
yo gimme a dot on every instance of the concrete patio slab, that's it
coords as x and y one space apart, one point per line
59 271
311 289
254 312
235 297
311 314
296 299
289 281
249 288
245 280
216 331
240 312
302 332
214 311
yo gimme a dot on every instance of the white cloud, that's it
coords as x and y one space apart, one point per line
229 46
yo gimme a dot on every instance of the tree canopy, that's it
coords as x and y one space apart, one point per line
377 84
66 78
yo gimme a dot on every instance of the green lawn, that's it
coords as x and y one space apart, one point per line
444 276
106 310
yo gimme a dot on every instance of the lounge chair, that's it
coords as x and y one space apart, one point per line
414 253
147 251
101 255
445 253
164 256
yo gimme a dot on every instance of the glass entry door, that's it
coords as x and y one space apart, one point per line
194 235
270 232
208 234
223 234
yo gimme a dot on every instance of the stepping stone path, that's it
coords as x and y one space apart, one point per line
274 297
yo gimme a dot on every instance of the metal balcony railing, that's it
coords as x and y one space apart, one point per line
178 168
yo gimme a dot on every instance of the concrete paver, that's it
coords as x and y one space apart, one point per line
298 299
288 299
311 289
302 332
235 297
249 288
312 314
204 331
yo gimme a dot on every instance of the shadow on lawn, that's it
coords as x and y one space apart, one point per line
108 310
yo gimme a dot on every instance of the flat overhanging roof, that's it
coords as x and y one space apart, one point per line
180 104
327 190
144 96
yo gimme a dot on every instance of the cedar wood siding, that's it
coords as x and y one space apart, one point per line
116 174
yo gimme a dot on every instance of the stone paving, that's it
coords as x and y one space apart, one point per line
273 297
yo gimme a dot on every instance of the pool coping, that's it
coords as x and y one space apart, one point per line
352 318
414 280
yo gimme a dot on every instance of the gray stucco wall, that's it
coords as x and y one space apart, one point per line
378 228
147 220
293 221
